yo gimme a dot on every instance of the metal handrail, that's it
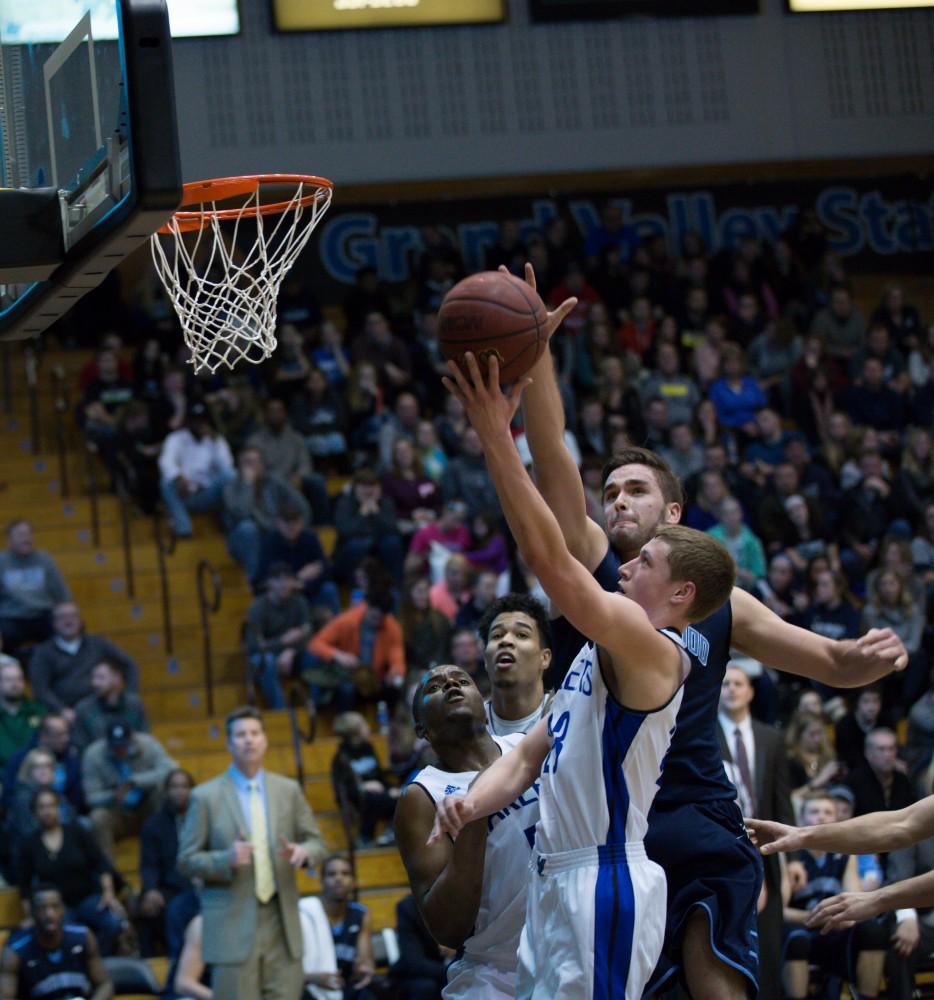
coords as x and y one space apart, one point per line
295 701
7 378
206 572
126 501
32 385
164 547
90 451
61 405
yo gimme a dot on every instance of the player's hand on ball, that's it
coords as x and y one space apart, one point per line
489 410
772 838
556 316
840 912
453 813
884 647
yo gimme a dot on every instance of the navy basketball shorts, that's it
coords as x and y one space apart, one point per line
711 865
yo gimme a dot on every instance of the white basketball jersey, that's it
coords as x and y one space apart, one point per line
601 773
510 836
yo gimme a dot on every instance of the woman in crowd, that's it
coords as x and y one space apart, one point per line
807 537
426 630
489 549
416 496
364 406
736 395
892 605
453 589
621 402
812 765
779 590
741 542
317 413
914 484
66 855
360 782
429 450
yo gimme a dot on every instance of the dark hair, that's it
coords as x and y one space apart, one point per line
365 477
117 668
667 481
16 523
38 793
381 599
243 712
337 856
520 603
174 773
291 512
40 890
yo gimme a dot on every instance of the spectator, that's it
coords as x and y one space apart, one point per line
434 543
190 977
90 370
489 550
708 353
278 626
856 954
621 402
812 764
60 668
922 548
110 702
466 477
913 938
285 455
851 731
138 445
367 643
351 930
430 453
741 542
467 653
380 347
704 513
684 455
252 503
736 395
452 591
365 407
832 615
31 584
195 463
920 747
359 780
815 482
20 716
840 325
295 545
318 414
401 423
592 429
166 893
711 432
290 365
451 425
892 605
914 486
66 856
879 784
169 409
667 382
124 774
420 971
868 510
482 595
921 361
771 357
656 424
426 630
768 448
899 317
807 539
871 402
779 592
612 231
367 295
53 734
366 525
417 498
40 958
879 346
104 398
331 356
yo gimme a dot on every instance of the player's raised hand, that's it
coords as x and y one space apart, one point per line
771 837
453 814
884 647
840 912
556 316
489 410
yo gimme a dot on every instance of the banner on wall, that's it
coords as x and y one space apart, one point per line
881 222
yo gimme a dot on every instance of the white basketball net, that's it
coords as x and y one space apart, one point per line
226 298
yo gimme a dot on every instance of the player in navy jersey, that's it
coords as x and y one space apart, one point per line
53 960
595 919
714 876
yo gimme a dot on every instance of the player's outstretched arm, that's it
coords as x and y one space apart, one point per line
446 876
494 788
848 908
556 472
760 633
610 620
869 834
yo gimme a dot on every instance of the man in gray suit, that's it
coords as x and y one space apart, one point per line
244 835
754 756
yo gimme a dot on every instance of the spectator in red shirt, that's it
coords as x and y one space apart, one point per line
449 532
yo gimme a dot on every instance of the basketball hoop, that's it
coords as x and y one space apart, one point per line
222 260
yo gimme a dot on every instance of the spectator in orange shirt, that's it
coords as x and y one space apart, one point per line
366 644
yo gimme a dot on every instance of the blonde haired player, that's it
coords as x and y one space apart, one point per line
599 753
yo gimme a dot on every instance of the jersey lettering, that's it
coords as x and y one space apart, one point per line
528 798
580 680
558 732
697 644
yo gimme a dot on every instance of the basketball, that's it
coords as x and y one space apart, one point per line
494 315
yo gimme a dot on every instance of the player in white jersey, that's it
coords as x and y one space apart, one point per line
472 892
516 651
595 919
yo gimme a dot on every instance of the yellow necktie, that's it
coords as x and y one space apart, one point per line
262 863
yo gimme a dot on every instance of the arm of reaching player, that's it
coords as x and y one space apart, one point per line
446 876
496 787
610 620
870 834
556 472
848 908
760 633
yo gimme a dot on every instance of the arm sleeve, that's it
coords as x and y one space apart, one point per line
40 677
58 589
169 467
149 857
194 861
126 662
324 643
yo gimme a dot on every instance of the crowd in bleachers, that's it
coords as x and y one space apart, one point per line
800 428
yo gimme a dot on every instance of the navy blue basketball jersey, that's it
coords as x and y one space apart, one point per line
693 769
345 939
61 974
825 879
